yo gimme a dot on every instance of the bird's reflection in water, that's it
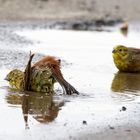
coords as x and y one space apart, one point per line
43 108
126 82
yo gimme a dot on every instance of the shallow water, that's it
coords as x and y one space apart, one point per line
87 64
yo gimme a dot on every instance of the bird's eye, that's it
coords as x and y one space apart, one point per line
59 60
120 50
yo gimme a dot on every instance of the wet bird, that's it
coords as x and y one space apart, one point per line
53 64
40 77
126 59
41 80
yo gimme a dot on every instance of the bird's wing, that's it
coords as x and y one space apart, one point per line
134 54
67 87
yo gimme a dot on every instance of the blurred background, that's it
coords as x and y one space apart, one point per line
69 9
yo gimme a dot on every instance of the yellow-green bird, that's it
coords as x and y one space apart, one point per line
41 80
126 59
15 78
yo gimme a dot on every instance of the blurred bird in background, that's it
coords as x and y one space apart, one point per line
124 28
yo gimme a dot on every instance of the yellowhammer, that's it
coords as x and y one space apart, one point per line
126 59
41 80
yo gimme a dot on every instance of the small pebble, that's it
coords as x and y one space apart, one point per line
111 127
123 108
84 122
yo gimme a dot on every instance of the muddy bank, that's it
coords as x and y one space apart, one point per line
91 25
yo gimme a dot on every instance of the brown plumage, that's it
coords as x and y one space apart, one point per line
53 64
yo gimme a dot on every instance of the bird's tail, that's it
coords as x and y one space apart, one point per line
67 87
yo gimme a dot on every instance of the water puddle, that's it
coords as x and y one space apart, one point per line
88 65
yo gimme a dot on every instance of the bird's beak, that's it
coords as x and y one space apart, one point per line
59 61
114 51
6 78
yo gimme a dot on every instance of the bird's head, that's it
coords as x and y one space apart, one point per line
11 75
120 51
